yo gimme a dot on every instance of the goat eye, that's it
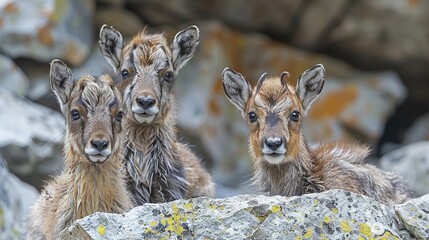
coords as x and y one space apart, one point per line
253 117
168 76
119 116
124 73
75 115
294 116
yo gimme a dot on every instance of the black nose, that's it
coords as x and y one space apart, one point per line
145 102
100 145
273 143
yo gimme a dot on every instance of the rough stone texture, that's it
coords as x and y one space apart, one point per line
352 27
412 162
334 214
31 137
123 20
415 215
11 76
44 30
16 197
353 104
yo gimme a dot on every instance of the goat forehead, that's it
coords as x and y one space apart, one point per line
274 102
97 93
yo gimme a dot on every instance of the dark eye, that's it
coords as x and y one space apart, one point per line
124 73
253 117
119 116
168 76
294 116
75 115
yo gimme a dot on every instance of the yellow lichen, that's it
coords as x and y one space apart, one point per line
327 219
309 233
345 226
212 206
188 206
153 223
276 208
316 201
162 221
101 230
174 222
365 229
298 238
335 210
361 238
149 230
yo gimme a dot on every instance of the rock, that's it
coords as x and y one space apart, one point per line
411 162
334 214
31 138
11 77
353 105
419 131
16 198
415 215
44 30
123 20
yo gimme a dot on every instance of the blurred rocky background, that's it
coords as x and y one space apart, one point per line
376 55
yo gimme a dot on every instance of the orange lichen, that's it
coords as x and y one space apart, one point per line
214 107
334 103
44 35
11 8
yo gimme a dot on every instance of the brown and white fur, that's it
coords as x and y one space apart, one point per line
159 167
92 180
285 164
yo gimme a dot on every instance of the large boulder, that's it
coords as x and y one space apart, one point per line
353 104
31 138
44 30
16 198
334 214
412 162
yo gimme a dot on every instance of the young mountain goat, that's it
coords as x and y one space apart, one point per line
285 164
159 167
92 180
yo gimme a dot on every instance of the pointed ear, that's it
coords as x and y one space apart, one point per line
310 84
237 88
61 80
111 44
184 45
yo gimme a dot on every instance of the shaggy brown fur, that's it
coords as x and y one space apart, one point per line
159 168
92 180
285 164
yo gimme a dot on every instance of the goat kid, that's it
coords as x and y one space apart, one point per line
284 163
159 167
92 180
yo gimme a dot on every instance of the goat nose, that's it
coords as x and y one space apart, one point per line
145 102
273 143
100 145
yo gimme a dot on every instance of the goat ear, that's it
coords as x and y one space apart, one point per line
61 80
184 45
310 84
111 44
237 88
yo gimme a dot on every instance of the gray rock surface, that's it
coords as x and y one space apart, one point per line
31 137
334 214
415 215
16 197
412 162
44 30
11 76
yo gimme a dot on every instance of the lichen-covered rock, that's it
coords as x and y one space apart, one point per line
415 215
44 30
16 198
31 137
412 162
353 104
11 76
334 214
